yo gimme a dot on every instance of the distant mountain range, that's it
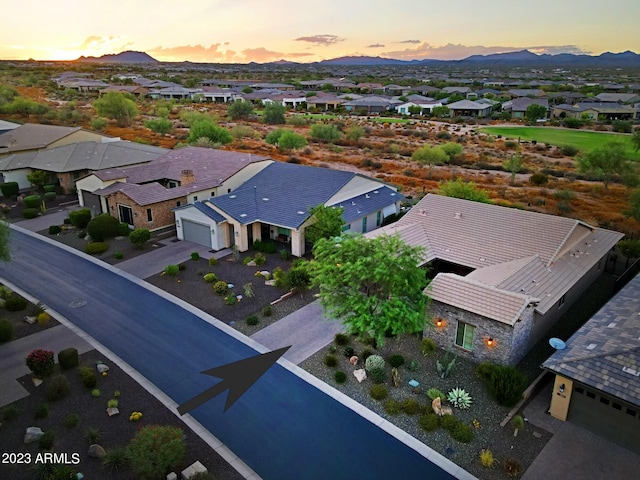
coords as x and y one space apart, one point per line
526 58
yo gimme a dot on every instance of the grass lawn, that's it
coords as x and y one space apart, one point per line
583 140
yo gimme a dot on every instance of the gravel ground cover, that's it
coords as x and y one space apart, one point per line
22 328
113 431
489 434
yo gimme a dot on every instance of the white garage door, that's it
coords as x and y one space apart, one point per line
196 232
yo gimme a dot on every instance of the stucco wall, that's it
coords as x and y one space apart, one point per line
19 176
79 136
217 230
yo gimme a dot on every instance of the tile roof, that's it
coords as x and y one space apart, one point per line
479 298
31 136
146 194
369 203
605 352
467 105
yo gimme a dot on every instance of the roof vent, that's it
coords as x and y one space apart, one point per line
591 346
631 371
232 196
265 199
423 212
457 215
376 191
243 215
367 196
300 212
612 325
353 203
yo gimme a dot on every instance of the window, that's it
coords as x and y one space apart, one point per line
126 214
364 225
149 215
346 227
604 400
617 406
378 218
213 194
561 301
195 198
631 412
591 395
228 190
579 390
178 203
464 335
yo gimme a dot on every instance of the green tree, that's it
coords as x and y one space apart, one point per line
534 112
273 136
634 205
453 150
206 129
240 110
159 125
139 237
39 178
5 251
629 247
274 114
156 449
607 161
326 222
466 190
290 140
430 156
327 133
373 285
439 112
117 106
355 133
415 109
513 165
635 139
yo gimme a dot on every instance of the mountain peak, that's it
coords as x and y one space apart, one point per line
128 56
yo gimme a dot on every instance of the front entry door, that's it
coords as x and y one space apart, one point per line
126 215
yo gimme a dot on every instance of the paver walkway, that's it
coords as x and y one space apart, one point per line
45 221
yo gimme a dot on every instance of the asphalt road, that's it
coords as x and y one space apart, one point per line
282 427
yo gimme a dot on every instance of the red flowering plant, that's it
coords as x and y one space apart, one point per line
40 362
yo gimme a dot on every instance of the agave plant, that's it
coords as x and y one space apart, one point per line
459 398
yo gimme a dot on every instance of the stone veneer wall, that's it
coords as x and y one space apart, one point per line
161 212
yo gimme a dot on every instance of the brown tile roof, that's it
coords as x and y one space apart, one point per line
605 353
147 194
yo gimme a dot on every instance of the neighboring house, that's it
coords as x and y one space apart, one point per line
175 93
503 276
6 126
525 92
143 196
629 98
396 89
273 86
274 204
468 108
290 99
83 85
426 107
220 95
135 90
597 374
595 111
370 104
324 101
460 90
32 137
518 106
70 162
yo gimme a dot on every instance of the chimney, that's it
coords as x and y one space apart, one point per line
187 177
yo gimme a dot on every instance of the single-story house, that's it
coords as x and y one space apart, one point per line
597 373
135 90
454 90
177 93
220 95
67 163
426 107
6 126
32 137
324 101
275 202
525 92
518 106
145 195
503 276
371 104
291 99
628 98
468 108
595 111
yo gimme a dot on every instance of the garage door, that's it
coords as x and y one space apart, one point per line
606 416
196 232
92 201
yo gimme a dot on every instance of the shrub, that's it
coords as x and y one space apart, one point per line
96 248
88 377
484 370
341 339
221 287
50 196
49 188
42 410
396 361
374 362
29 213
116 459
410 406
123 229
10 189
102 227
539 179
459 398
10 412
54 229
95 393
434 393
155 450
47 440
429 421
213 261
377 375
378 392
486 458
40 362
43 318
72 420
448 422
230 299
569 150
58 388
80 218
112 403
82 234
210 277
195 256
506 385
462 433
366 353
92 435
511 467
413 366
330 360
171 270
6 330
182 267
340 377
267 311
428 346
259 259
68 358
392 407
252 320
118 256
264 246
32 201
15 303
348 351
139 237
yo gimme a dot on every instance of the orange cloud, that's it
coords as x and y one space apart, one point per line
215 54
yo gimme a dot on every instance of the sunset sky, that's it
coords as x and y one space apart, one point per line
241 31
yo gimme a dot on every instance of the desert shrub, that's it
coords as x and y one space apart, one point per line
538 179
341 339
348 351
80 218
47 440
506 385
32 201
50 196
247 260
116 459
6 330
171 270
96 248
15 303
462 433
366 353
510 144
511 467
210 277
221 287
42 411
267 311
428 346
95 393
72 420
443 136
230 299
340 377
569 150
43 318
155 450
486 458
259 259
392 407
88 377
9 413
252 320
102 227
54 229
10 189
622 126
327 133
429 422
29 213
378 392
377 375
330 360
396 361
40 362
213 261
118 255
413 366
484 370
448 422
58 388
68 358
139 236
92 435
374 362
434 393
195 256
410 406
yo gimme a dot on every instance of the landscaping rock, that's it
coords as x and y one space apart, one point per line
270 283
353 360
33 434
172 476
360 375
36 381
96 451
191 470
30 320
102 368
111 411
440 410
265 273
252 263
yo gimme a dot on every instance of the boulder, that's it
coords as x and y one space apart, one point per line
102 368
96 451
251 263
270 283
33 434
30 320
440 410
353 360
360 375
36 381
265 273
111 411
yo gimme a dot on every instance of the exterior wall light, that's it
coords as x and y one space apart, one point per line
561 388
439 322
490 342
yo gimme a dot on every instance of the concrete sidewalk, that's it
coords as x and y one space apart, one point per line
306 330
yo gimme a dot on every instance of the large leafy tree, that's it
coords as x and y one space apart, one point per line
634 205
607 161
327 223
274 114
430 156
116 106
373 285
203 128
535 112
240 109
